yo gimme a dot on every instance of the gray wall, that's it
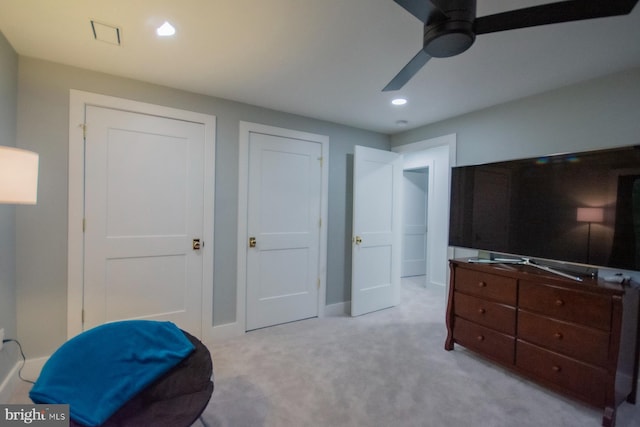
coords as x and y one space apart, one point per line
42 125
8 100
600 113
604 112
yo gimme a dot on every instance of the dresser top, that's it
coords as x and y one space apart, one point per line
526 272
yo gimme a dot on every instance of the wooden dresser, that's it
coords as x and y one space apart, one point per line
579 339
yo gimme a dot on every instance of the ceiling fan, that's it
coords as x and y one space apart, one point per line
451 26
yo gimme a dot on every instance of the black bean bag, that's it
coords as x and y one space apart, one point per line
176 399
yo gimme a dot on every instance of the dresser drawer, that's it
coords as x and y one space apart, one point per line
580 379
498 288
486 341
587 344
566 304
492 314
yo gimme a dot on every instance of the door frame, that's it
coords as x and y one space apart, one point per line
243 201
423 146
75 249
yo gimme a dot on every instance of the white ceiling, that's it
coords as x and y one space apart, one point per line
327 59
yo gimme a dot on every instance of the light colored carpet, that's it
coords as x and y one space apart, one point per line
384 369
387 368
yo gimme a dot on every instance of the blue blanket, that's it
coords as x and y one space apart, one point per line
99 370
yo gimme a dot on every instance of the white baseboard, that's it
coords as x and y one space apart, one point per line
235 329
8 385
338 309
30 371
32 368
223 332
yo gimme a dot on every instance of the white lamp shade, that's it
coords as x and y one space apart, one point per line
590 215
18 176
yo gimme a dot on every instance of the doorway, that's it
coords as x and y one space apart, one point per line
438 155
140 198
415 189
435 156
282 228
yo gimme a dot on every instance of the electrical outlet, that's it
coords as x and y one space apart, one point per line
1 337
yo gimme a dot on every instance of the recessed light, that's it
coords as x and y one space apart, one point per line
165 30
399 101
402 123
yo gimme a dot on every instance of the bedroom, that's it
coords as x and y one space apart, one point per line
592 112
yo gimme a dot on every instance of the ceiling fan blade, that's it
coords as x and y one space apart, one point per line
552 13
422 9
408 71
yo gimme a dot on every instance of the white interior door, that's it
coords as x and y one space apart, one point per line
414 224
283 229
377 178
144 197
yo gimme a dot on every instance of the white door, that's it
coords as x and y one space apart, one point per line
375 281
414 224
283 229
144 197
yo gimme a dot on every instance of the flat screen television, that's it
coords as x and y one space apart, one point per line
577 208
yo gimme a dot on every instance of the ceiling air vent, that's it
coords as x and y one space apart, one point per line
105 32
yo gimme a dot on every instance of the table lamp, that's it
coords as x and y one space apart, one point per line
18 176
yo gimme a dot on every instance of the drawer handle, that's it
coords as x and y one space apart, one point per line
558 335
482 285
559 302
556 368
480 338
481 311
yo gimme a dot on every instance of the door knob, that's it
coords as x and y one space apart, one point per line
195 244
357 240
252 242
